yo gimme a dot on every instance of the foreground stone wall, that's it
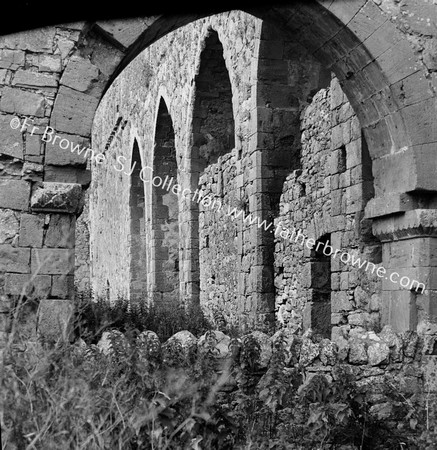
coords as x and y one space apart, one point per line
394 372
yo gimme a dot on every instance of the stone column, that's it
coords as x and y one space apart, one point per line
409 256
37 251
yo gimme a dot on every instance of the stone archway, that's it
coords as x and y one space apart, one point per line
213 135
60 88
165 220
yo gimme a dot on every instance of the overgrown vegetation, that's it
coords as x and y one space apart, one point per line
95 317
65 397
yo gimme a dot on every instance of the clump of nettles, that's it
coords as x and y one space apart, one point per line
96 315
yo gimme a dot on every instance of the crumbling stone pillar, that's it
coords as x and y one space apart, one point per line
37 249
409 258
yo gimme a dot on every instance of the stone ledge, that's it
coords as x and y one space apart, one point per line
390 204
57 197
415 223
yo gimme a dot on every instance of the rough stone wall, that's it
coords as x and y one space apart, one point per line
168 70
224 259
326 199
37 247
383 52
82 280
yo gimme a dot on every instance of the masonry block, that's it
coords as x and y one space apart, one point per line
26 78
61 156
52 261
80 74
14 259
340 302
38 40
33 145
65 115
11 59
61 231
57 197
399 309
54 319
14 194
63 286
11 143
49 63
9 226
17 101
35 286
31 230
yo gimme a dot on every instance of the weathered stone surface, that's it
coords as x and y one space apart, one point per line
360 319
429 345
35 286
32 171
378 353
113 343
73 111
11 59
394 342
374 303
31 230
62 286
54 319
17 101
342 348
126 31
67 174
309 352
13 259
9 226
410 341
12 141
361 297
49 63
33 145
38 40
61 231
14 194
181 346
328 352
25 78
381 411
341 302
357 351
430 373
61 156
57 197
79 74
52 261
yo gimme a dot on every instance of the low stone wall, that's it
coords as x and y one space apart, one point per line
392 370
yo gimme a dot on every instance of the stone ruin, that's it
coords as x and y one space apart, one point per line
318 117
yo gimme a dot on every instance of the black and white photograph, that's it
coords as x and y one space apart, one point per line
218 226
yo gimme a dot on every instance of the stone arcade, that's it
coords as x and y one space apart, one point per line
320 116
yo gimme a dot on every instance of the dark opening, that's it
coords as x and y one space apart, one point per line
138 256
213 133
321 286
165 217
